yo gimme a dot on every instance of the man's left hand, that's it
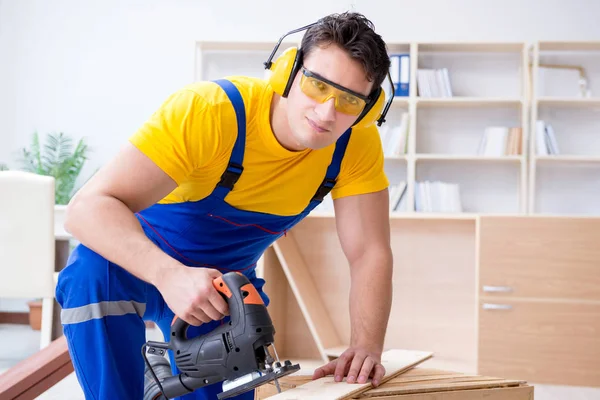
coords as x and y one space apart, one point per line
357 364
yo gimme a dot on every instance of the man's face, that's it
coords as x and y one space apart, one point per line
315 124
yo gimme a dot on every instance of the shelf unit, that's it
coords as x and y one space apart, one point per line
490 86
566 182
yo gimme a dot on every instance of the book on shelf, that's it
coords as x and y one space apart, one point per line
434 82
436 196
545 139
400 74
398 197
394 138
498 141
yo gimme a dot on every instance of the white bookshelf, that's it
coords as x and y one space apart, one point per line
489 88
566 181
493 85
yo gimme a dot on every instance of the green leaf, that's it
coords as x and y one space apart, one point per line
57 159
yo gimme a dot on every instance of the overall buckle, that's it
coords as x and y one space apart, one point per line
231 175
324 189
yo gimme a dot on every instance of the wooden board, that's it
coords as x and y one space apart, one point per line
422 383
305 291
36 374
510 393
395 362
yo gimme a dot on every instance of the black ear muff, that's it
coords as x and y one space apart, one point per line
295 68
372 111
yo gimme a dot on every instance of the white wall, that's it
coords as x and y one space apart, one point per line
98 68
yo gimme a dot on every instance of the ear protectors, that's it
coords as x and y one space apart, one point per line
285 68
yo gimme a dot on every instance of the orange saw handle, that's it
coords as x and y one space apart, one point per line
235 288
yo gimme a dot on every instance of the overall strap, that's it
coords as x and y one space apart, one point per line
332 172
234 169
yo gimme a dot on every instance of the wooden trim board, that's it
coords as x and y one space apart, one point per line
510 393
306 294
20 318
418 384
36 374
395 362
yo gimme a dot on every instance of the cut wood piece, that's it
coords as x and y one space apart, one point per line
507 393
440 386
395 362
306 294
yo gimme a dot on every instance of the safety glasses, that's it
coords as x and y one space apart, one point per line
320 89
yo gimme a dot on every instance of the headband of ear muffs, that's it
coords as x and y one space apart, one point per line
285 68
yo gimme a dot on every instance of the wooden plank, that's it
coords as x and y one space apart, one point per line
41 386
42 370
395 362
440 387
7 317
305 291
512 393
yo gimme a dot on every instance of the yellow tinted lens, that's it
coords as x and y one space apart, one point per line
315 88
349 104
321 91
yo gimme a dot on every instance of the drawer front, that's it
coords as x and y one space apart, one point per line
540 257
542 342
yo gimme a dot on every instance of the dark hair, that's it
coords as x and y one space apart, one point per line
356 34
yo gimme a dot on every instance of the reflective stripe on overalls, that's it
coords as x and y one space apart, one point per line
104 306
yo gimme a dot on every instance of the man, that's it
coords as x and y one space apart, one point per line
218 173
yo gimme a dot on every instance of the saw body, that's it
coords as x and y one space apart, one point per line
235 353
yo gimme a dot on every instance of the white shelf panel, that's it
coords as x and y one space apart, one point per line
569 46
403 157
396 170
510 47
399 102
468 102
460 157
560 82
562 159
476 74
459 130
572 189
489 188
576 129
568 102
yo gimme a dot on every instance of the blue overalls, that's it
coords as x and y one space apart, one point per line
104 306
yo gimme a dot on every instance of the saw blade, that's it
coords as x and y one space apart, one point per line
286 369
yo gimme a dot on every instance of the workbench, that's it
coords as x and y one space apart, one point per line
422 383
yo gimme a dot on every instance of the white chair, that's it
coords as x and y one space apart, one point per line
27 241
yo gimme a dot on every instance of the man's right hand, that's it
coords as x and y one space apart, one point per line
190 294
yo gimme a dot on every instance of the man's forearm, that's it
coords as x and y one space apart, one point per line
107 226
370 299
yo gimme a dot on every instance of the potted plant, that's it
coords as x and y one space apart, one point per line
59 159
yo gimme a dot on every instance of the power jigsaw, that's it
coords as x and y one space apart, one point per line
236 353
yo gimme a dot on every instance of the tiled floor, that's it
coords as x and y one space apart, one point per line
17 342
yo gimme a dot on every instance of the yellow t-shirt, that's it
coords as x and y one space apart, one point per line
192 134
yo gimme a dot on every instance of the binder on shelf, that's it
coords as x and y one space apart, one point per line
545 139
400 73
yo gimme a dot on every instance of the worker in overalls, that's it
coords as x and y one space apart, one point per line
218 173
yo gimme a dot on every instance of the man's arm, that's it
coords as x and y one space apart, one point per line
101 216
363 228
